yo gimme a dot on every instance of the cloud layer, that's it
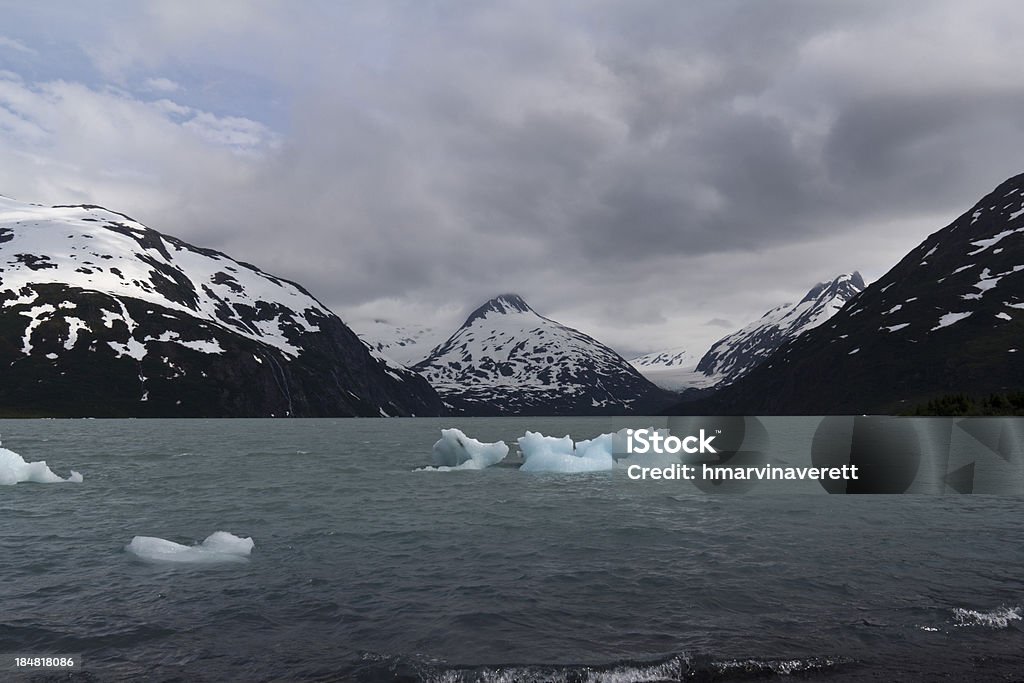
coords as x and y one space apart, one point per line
646 171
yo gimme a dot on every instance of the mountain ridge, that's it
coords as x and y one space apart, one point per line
738 353
946 319
164 328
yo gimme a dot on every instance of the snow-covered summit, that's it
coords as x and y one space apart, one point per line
736 354
502 304
171 328
508 359
92 248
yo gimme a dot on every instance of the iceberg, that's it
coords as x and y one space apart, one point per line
218 548
456 451
14 469
552 454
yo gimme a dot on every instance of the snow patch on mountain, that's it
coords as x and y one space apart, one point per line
678 357
404 344
736 354
94 249
674 369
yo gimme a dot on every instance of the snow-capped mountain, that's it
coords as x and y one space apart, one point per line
674 369
100 315
508 360
948 318
738 353
405 344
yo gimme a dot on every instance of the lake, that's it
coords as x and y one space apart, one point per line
366 568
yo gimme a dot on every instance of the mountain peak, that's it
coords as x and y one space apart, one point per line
502 304
736 354
946 319
509 360
845 285
511 300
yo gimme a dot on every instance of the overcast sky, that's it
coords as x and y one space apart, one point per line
654 173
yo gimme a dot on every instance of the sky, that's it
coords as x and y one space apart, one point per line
654 173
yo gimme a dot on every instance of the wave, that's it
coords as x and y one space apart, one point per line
996 619
674 668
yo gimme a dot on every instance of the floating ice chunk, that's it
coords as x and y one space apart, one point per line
550 454
456 450
224 542
14 469
535 442
596 448
219 547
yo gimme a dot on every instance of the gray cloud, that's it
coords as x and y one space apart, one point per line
636 169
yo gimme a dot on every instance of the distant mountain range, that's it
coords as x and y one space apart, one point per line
406 344
508 360
738 353
102 316
948 318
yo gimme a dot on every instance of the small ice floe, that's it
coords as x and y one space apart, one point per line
14 469
220 547
552 454
456 451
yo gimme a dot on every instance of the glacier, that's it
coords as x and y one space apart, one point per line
14 469
220 547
